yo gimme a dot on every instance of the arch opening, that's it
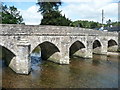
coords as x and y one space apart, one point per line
77 49
6 56
97 47
46 51
112 45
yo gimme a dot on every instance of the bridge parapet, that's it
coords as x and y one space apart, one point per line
13 29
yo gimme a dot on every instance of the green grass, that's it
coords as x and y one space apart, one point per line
119 50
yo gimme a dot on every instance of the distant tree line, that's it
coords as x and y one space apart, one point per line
86 24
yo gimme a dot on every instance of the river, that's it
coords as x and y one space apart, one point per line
99 72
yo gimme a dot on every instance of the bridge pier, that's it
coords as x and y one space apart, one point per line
64 51
84 53
80 53
89 52
104 47
21 63
113 48
100 48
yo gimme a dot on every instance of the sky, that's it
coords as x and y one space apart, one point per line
90 10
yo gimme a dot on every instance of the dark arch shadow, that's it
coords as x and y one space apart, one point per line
47 49
96 44
112 43
97 47
6 55
75 47
112 46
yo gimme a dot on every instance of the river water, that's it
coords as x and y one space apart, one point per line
99 72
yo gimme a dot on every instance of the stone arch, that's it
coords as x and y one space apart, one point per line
96 44
77 49
49 51
97 47
112 45
13 50
112 42
6 54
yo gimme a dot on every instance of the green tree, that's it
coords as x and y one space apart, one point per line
85 24
51 14
47 7
10 15
55 18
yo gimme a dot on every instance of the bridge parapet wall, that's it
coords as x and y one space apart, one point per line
12 29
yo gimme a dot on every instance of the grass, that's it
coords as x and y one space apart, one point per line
119 50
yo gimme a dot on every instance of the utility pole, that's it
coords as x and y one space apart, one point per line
102 16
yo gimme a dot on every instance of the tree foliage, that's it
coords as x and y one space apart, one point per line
55 18
10 15
85 24
47 7
109 22
51 14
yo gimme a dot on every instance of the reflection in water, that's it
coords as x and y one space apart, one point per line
99 72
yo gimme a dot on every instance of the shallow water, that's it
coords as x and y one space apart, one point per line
99 72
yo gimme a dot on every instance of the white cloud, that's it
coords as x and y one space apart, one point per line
91 10
31 16
77 10
111 11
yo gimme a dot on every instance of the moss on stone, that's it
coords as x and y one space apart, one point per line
118 50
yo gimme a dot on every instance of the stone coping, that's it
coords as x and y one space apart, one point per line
19 29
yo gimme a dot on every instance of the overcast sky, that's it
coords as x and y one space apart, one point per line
75 10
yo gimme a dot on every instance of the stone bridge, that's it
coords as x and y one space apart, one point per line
57 44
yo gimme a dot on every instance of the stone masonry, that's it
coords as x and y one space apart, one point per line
57 43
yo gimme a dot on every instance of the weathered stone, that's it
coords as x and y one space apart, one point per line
54 41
